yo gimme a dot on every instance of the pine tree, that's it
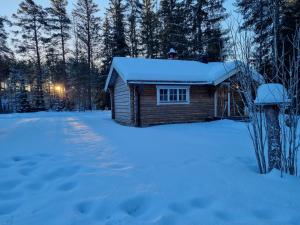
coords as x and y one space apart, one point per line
59 26
257 18
5 57
88 31
116 12
5 53
107 46
167 33
188 18
30 18
172 34
290 24
149 29
198 28
214 34
134 18
179 39
19 77
4 50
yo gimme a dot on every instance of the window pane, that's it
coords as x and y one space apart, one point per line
182 95
163 95
173 95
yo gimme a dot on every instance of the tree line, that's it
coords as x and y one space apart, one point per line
60 60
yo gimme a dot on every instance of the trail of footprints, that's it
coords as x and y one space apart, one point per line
29 175
138 206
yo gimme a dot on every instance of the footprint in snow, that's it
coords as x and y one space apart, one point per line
61 173
223 215
67 186
30 163
84 207
102 212
8 208
26 171
200 203
4 165
34 186
18 158
9 185
8 196
135 206
168 219
178 208
44 155
262 214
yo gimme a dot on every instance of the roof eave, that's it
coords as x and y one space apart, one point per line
108 78
170 82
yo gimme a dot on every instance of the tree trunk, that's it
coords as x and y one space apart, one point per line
273 134
39 101
89 55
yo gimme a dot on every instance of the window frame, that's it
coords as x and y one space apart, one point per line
169 87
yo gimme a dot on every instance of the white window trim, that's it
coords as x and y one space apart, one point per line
159 87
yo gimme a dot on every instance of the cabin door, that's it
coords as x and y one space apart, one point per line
222 101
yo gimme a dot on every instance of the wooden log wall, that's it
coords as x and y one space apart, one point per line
201 107
122 102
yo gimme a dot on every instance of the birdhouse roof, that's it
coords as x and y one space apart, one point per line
272 94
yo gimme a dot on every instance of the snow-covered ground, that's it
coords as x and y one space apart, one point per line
83 168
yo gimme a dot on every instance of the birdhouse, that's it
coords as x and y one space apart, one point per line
172 54
272 97
272 94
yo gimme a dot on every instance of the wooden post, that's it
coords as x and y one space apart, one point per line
273 134
136 106
112 102
216 102
228 100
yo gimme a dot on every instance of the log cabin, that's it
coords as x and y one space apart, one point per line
147 92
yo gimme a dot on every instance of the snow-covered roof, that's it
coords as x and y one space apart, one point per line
272 93
172 50
163 71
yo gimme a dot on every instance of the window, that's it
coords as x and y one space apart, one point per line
182 94
173 95
163 95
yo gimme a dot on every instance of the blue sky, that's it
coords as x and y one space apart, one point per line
8 7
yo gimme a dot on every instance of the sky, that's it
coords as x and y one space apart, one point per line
8 7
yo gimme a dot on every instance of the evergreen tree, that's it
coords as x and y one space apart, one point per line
168 26
149 29
116 12
179 38
59 26
214 34
19 77
5 56
290 24
107 46
172 34
257 18
198 27
88 32
30 18
188 19
4 50
134 18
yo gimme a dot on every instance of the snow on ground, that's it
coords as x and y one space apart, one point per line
83 168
